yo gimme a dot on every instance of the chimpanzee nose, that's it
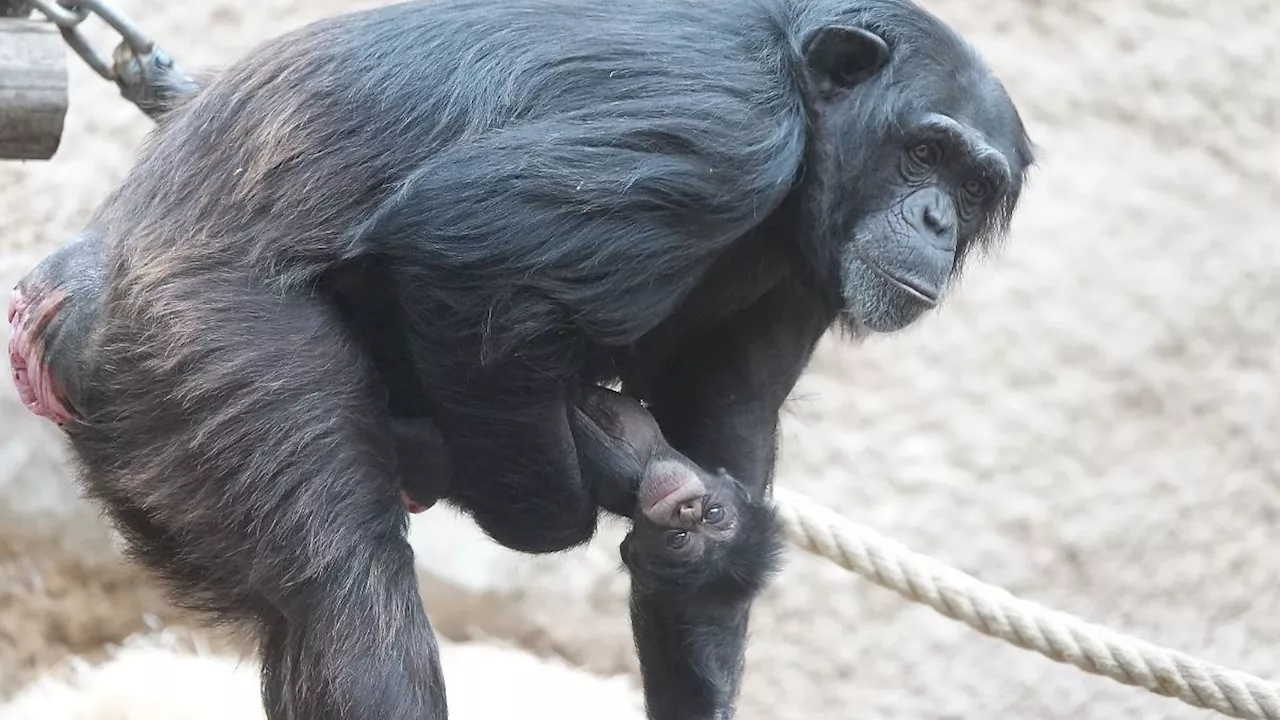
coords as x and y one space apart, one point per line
935 218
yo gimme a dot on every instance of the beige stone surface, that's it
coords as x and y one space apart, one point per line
1090 422
158 677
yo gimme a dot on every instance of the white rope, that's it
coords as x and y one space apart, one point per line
995 612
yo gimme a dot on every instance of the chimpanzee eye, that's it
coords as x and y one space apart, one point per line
677 540
977 189
926 153
714 514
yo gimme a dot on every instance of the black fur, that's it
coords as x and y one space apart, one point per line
469 211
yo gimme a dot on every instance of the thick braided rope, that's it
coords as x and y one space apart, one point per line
996 612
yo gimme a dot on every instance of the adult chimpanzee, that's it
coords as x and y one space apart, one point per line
469 211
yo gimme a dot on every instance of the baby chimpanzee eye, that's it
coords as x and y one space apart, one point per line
677 540
714 514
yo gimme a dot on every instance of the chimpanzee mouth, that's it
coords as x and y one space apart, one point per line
929 297
667 486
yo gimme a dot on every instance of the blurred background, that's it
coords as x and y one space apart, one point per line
1091 421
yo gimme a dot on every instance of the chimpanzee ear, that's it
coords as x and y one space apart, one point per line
841 57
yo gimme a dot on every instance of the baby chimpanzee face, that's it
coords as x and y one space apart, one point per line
684 512
687 532
697 536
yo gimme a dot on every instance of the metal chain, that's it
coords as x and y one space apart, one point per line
145 74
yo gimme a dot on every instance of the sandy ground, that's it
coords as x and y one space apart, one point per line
1090 422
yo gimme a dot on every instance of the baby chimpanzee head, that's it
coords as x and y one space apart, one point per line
700 534
695 533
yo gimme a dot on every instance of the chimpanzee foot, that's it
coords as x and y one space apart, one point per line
37 387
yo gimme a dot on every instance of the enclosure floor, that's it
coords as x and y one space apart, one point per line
1091 421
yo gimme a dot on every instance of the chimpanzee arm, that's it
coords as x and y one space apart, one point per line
522 255
615 440
719 395
717 402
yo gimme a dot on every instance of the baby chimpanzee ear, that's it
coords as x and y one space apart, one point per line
841 57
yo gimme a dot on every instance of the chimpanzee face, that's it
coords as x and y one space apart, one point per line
701 534
915 166
683 516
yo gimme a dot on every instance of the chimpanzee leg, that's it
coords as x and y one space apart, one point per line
236 435
717 401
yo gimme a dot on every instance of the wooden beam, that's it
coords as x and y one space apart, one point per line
33 89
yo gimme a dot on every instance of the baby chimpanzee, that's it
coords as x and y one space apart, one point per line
701 547
695 533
